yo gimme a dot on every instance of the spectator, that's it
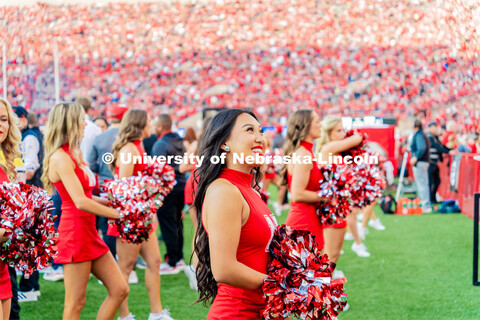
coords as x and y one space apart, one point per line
420 147
279 139
91 129
101 123
170 214
437 149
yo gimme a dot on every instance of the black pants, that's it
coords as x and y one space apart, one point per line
15 307
171 225
434 181
29 284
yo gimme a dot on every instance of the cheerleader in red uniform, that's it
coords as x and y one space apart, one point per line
331 143
233 239
134 127
80 248
9 144
304 178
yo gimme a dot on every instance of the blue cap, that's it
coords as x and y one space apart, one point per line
20 111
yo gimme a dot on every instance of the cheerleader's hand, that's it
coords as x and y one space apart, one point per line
120 214
322 199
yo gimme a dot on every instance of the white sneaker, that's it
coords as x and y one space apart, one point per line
277 209
337 274
166 269
181 264
348 236
427 210
376 224
360 250
132 277
192 278
28 296
164 315
129 317
45 270
55 275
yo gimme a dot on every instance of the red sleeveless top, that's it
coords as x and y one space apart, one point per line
5 286
255 236
302 215
78 237
138 167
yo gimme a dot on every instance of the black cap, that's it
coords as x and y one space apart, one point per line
433 123
20 111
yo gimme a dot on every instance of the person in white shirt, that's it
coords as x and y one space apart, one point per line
91 129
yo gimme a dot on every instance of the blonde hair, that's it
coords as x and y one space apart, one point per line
131 128
298 127
328 123
11 146
64 126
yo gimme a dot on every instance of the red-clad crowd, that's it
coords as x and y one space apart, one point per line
358 58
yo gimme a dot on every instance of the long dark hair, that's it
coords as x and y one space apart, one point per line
217 133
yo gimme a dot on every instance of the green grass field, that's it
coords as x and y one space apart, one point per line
420 268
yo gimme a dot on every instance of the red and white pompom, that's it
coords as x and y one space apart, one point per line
370 179
32 238
299 281
369 186
137 198
335 185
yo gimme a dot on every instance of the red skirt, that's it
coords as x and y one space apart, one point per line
303 216
237 304
5 285
78 238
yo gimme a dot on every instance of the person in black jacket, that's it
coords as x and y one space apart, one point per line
437 149
170 214
420 148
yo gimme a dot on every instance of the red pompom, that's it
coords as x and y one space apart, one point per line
335 185
369 185
25 216
370 179
299 279
138 197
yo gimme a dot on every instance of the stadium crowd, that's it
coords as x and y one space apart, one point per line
276 57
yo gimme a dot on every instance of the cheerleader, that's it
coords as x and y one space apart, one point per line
331 143
9 145
236 226
304 178
134 127
80 248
